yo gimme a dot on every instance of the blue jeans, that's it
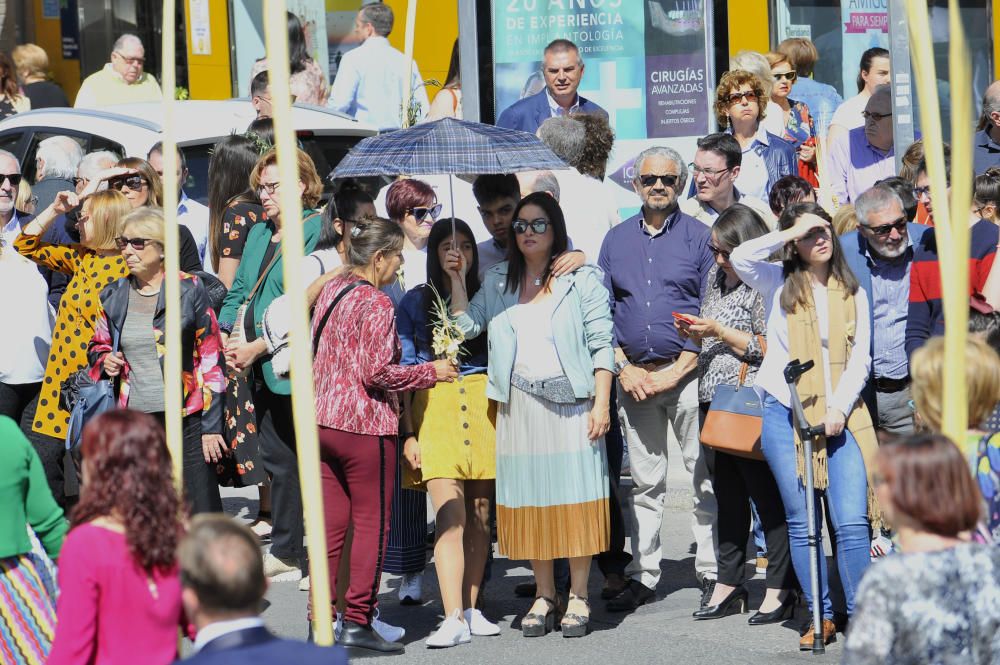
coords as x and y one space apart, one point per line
847 502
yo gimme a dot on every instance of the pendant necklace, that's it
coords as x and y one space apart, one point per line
538 281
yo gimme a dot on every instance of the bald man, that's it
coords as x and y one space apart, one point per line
121 81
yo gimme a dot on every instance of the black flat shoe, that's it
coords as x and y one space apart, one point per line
734 603
356 636
634 595
783 612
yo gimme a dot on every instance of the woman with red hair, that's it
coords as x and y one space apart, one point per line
120 593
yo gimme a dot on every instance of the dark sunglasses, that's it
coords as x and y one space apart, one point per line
648 180
422 211
719 252
138 244
872 115
538 226
785 76
133 182
737 97
886 229
14 178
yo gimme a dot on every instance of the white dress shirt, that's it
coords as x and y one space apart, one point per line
194 216
24 345
589 209
11 230
369 85
216 630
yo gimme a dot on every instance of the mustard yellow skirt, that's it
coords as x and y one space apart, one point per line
456 427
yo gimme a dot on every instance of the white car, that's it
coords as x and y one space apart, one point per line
132 129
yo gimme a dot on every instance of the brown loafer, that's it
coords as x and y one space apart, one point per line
829 635
614 584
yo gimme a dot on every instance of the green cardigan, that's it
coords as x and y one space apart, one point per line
273 285
25 497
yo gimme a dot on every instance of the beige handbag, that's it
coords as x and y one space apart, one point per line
238 333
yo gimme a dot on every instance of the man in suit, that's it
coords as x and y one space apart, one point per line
562 68
223 584
880 253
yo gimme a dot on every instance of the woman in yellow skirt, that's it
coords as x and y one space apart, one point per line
449 439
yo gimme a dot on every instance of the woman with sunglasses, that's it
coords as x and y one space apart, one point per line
93 264
134 313
816 312
739 106
795 124
730 331
550 370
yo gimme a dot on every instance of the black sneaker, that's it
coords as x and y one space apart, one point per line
355 636
632 596
707 589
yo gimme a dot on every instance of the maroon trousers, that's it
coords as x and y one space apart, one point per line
357 472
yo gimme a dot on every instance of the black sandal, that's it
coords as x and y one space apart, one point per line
539 625
575 625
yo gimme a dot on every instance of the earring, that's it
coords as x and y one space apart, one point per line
162 257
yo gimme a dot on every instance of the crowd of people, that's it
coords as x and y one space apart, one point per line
505 370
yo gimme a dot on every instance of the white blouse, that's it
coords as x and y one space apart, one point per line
750 260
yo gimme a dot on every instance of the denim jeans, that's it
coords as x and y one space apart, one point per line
847 502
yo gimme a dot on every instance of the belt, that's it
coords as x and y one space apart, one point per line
887 385
656 366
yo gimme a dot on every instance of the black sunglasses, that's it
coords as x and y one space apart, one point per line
648 180
422 211
133 182
886 229
138 244
719 252
787 76
15 178
538 226
875 116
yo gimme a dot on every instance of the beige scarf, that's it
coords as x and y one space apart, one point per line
804 343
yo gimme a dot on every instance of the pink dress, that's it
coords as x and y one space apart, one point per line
107 613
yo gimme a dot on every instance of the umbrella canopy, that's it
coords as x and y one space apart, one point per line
448 146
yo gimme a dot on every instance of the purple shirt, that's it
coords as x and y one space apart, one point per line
856 165
651 276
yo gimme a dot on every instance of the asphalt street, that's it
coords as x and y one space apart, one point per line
660 632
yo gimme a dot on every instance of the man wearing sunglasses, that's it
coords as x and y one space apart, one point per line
656 264
865 154
880 253
121 81
190 213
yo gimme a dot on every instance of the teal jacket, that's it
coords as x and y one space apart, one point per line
581 326
273 285
25 497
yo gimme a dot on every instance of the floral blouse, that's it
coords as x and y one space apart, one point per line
740 308
800 127
928 607
237 220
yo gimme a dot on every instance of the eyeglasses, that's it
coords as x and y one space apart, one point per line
719 252
422 211
269 187
14 178
131 61
919 192
80 181
538 226
871 115
133 182
649 179
138 244
711 173
785 76
737 97
885 229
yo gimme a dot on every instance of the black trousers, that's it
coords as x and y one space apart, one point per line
278 454
15 398
201 486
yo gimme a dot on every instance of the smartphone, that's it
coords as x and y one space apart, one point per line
680 316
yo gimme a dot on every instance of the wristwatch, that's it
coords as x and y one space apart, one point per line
619 366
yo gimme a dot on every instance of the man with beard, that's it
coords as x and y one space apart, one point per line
864 155
880 253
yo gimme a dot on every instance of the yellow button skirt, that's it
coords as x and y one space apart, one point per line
455 424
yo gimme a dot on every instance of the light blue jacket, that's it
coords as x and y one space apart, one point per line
581 327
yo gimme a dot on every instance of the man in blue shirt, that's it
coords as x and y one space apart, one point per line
822 99
986 145
655 264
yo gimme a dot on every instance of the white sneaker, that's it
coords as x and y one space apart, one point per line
453 631
479 625
388 632
411 589
273 566
304 583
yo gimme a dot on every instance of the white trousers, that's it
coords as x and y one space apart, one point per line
648 425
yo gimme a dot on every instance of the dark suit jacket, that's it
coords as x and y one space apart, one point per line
855 249
528 113
258 646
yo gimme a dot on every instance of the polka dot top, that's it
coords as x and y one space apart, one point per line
78 311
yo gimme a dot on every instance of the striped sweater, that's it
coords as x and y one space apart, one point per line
926 315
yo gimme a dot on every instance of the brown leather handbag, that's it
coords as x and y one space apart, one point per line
733 423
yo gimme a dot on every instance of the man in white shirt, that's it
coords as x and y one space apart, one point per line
370 81
10 178
714 172
190 213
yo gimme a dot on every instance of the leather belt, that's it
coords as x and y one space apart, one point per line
887 385
656 366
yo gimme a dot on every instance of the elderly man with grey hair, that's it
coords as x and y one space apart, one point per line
56 161
655 266
880 253
121 81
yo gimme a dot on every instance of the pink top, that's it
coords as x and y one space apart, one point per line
107 613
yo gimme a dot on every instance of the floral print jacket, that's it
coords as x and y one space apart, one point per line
203 365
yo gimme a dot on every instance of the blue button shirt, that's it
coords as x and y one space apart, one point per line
649 277
414 328
822 100
890 306
986 152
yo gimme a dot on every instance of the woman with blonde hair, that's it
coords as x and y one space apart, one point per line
25 202
32 64
93 264
980 448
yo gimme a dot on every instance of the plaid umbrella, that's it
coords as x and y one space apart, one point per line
448 146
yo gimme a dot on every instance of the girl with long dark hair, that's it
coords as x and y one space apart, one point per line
816 311
448 102
232 207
